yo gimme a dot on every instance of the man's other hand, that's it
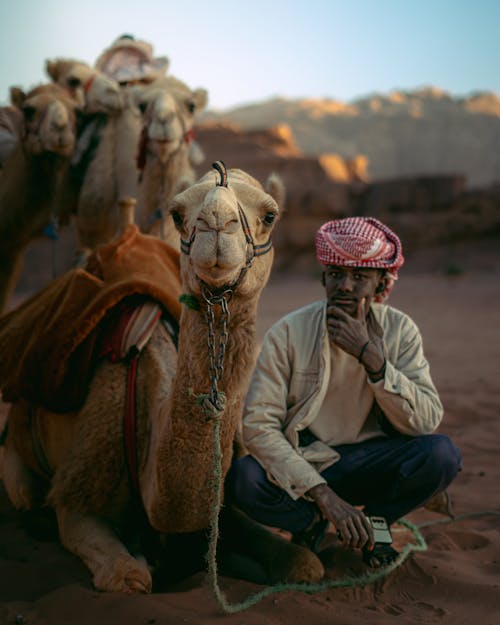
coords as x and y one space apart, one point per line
351 524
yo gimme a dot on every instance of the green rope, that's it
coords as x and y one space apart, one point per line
231 608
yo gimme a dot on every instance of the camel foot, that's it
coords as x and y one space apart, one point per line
278 558
125 575
294 564
299 566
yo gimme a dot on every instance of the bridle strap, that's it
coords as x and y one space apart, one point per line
88 83
186 245
260 250
189 135
220 167
253 250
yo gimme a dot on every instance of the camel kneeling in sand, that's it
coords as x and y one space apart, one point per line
226 261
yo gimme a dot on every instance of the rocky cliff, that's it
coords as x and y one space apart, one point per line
422 132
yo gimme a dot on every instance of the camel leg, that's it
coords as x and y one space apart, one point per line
21 484
112 566
281 559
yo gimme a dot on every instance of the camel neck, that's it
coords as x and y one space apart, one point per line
28 196
182 454
159 183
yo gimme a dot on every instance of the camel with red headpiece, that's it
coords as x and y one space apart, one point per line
95 92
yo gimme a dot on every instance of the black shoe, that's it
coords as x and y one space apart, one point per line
311 537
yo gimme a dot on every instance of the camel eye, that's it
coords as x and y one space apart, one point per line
177 217
143 106
269 218
191 107
73 83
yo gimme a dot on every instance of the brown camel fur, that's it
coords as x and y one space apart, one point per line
95 92
32 174
90 489
167 150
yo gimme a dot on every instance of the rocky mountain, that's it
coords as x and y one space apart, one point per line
421 132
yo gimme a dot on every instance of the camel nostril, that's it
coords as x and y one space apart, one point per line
231 226
203 225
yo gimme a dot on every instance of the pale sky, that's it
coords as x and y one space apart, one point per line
250 51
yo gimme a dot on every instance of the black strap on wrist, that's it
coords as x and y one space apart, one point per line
363 350
380 372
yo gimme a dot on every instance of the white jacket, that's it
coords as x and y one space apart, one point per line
291 379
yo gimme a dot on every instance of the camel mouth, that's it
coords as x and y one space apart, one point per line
165 142
62 150
217 277
107 106
164 148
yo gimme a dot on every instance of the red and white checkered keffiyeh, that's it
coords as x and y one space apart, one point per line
360 242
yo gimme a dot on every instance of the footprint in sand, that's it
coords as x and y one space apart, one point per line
457 541
425 611
393 609
431 609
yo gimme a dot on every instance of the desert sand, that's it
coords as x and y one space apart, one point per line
455 581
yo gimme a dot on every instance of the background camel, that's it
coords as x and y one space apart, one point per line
167 150
95 92
31 177
90 489
150 134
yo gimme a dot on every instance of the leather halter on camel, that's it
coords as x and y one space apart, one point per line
252 249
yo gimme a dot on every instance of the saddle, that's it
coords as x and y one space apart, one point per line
50 344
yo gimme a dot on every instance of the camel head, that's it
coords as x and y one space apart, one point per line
225 222
95 92
49 119
168 108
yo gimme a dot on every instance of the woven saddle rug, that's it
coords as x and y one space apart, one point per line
50 344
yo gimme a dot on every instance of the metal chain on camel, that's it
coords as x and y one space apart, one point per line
213 406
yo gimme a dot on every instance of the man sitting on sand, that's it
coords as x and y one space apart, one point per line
341 410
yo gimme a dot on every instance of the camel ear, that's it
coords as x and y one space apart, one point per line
52 69
17 97
276 189
200 99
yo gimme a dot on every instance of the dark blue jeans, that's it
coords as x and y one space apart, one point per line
388 476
